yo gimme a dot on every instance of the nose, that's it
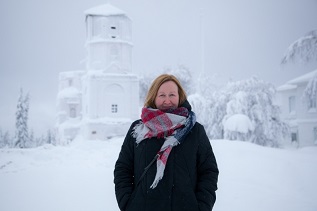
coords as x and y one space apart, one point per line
167 100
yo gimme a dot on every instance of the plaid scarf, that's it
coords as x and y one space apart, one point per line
173 125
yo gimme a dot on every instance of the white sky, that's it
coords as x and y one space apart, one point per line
242 38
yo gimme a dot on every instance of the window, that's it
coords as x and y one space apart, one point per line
312 103
114 108
292 103
294 137
72 112
113 31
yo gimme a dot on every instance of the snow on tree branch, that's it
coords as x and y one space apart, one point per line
310 92
304 49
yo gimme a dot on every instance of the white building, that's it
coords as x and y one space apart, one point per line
102 100
301 114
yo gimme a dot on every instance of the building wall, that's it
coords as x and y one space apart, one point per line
303 120
109 40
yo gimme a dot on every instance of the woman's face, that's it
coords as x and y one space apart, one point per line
167 96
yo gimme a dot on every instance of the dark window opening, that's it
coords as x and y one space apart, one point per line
72 112
294 137
114 108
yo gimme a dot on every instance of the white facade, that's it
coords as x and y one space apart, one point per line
101 101
300 113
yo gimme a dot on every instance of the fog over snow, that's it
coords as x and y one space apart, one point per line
39 39
80 177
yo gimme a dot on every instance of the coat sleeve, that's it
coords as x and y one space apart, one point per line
207 173
124 171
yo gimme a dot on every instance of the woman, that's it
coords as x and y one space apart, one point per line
166 162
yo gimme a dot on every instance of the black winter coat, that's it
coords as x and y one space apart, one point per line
189 181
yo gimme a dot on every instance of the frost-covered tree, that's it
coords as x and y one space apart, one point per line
50 137
254 99
206 85
31 142
304 50
4 139
310 92
1 139
40 140
21 125
144 85
216 113
184 76
200 106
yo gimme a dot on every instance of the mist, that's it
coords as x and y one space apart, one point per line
233 40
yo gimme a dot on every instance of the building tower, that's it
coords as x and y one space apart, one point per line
108 90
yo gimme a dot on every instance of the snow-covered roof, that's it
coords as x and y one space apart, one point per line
292 84
71 74
303 78
104 10
69 92
286 87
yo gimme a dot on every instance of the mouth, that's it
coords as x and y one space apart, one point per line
168 107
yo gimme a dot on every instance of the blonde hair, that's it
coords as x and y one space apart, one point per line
156 84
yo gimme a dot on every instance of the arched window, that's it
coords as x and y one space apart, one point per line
72 111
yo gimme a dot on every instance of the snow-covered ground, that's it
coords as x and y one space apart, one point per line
79 177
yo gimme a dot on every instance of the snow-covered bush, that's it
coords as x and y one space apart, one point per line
254 99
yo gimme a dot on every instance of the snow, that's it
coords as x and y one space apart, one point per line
286 87
238 123
104 10
69 92
80 177
303 78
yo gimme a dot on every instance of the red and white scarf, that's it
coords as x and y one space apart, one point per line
173 125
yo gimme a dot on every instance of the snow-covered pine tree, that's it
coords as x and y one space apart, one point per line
22 133
6 139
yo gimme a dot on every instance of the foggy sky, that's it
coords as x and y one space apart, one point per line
242 38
